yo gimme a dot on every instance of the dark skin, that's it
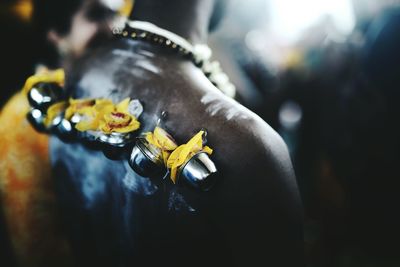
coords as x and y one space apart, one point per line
252 216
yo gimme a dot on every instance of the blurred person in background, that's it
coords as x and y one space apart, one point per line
16 50
33 234
346 91
335 101
235 44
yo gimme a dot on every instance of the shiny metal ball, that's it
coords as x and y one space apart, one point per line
199 172
146 160
36 119
114 145
43 95
63 128
116 139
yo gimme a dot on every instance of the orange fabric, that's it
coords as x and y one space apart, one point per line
26 190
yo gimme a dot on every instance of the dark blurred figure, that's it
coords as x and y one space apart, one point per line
16 45
30 230
37 32
254 80
67 28
346 154
337 111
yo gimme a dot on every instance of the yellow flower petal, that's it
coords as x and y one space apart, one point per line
87 111
57 76
102 114
77 105
133 126
119 122
208 150
173 174
117 119
86 125
174 156
165 155
151 140
164 139
104 105
184 152
123 105
53 111
196 143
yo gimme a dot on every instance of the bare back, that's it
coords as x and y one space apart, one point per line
251 216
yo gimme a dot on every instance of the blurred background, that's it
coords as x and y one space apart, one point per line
325 74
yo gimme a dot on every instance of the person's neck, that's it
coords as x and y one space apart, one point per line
187 18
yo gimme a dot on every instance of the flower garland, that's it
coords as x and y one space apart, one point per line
175 156
92 114
102 115
112 124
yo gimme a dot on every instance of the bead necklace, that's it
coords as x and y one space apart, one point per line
200 54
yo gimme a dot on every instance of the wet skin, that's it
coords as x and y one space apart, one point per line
252 216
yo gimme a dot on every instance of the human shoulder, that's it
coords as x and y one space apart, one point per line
257 190
244 129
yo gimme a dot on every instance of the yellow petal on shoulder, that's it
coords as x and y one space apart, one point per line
57 107
173 174
133 126
193 146
100 101
196 143
29 83
53 111
87 111
123 105
56 76
174 156
102 104
80 103
103 126
77 105
149 138
117 119
86 125
183 155
165 155
69 112
208 150
164 139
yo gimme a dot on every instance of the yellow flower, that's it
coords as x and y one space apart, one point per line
184 152
93 112
56 76
119 122
79 106
53 111
162 140
102 114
